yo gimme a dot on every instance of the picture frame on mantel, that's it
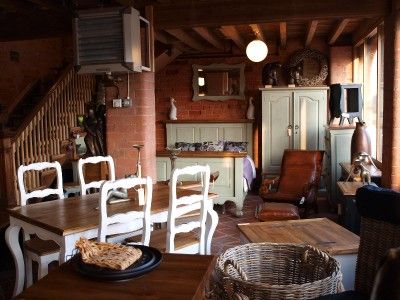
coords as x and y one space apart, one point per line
218 82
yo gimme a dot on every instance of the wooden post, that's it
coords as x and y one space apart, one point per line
7 184
391 106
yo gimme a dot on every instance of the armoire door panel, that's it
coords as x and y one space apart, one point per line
277 109
306 122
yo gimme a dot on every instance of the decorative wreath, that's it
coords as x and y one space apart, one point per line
299 56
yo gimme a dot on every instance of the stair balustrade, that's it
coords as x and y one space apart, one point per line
43 130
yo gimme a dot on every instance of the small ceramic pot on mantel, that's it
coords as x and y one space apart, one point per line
360 141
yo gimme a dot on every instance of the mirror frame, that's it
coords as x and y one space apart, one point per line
195 82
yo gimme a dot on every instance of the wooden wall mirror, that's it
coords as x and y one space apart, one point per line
218 82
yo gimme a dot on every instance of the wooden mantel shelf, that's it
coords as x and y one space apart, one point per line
198 154
208 121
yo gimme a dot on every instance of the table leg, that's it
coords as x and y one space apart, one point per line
67 248
12 240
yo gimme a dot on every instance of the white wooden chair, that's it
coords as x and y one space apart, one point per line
35 249
121 223
181 238
94 160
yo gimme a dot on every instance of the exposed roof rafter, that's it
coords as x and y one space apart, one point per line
209 37
231 33
337 31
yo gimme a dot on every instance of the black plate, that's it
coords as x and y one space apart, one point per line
150 259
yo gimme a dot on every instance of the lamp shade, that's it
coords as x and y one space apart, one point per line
257 50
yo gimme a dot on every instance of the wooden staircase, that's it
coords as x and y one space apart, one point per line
36 127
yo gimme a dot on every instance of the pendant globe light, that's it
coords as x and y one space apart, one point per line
257 50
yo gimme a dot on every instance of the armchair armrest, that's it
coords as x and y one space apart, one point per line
267 185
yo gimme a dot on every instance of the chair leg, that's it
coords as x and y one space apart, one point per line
28 271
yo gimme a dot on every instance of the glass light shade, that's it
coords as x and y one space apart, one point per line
257 50
201 81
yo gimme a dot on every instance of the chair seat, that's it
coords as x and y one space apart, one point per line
271 211
41 247
158 240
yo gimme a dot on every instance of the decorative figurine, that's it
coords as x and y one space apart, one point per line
172 112
270 73
250 110
295 73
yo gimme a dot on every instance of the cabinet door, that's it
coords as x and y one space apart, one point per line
276 118
309 119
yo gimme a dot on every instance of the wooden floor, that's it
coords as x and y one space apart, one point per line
226 236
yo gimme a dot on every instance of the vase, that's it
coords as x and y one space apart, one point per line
360 141
250 110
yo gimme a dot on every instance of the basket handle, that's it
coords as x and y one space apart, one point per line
239 270
229 289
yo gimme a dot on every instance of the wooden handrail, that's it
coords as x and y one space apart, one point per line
9 109
41 103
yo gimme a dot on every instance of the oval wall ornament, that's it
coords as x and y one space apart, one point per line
298 59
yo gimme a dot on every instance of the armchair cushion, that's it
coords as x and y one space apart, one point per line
378 203
282 197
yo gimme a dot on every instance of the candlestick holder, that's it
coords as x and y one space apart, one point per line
174 152
138 173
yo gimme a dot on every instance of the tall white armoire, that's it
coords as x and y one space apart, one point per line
292 118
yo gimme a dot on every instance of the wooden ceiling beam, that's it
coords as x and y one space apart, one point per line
283 34
186 38
337 31
17 6
165 39
166 58
198 13
47 4
231 32
257 31
311 28
366 30
209 37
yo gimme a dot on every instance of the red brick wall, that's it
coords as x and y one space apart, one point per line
176 81
36 60
134 125
341 64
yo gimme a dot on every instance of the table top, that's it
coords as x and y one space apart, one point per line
321 233
77 214
179 276
349 188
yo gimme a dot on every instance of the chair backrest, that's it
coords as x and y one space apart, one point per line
94 160
186 204
380 230
129 221
40 193
299 169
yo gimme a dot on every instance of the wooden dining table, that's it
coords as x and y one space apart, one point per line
178 277
65 221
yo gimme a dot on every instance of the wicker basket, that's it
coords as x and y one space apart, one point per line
275 271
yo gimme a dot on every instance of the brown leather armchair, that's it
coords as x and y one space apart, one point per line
300 175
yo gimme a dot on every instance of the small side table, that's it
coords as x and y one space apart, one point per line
347 211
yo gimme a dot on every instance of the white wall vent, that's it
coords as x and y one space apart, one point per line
107 40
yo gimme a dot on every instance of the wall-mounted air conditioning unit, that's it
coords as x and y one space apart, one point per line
108 40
